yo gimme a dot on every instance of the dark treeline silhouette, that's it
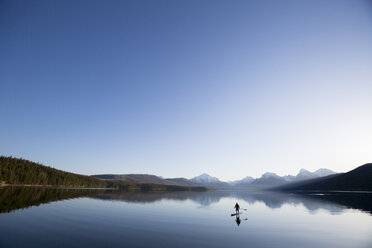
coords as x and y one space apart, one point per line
146 179
13 198
16 171
138 186
22 171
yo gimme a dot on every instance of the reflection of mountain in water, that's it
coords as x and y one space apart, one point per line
354 200
203 198
277 200
13 198
333 202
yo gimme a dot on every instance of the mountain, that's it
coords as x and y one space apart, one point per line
241 183
183 181
145 178
323 172
359 179
209 181
134 178
149 182
16 171
267 180
304 174
205 178
289 178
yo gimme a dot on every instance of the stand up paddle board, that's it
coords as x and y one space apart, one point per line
236 214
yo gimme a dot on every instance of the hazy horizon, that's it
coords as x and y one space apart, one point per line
177 89
205 173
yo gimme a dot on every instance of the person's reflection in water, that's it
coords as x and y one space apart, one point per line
237 219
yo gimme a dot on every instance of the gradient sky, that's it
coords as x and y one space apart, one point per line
179 88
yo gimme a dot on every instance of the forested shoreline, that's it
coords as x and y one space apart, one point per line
22 172
18 171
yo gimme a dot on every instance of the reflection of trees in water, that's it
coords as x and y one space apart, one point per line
13 198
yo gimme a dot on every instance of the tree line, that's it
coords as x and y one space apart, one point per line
18 171
24 172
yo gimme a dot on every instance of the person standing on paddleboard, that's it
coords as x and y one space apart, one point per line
237 208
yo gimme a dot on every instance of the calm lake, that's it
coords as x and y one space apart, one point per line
34 217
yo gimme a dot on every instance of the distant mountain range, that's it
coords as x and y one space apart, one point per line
267 180
359 179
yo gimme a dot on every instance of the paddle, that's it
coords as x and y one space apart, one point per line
236 214
239 212
243 209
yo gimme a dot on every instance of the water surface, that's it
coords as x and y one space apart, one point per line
33 217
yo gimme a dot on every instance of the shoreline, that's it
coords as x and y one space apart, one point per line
49 186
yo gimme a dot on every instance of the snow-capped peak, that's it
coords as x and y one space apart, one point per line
323 172
205 178
304 172
247 179
269 174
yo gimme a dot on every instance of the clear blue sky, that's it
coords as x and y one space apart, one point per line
178 88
